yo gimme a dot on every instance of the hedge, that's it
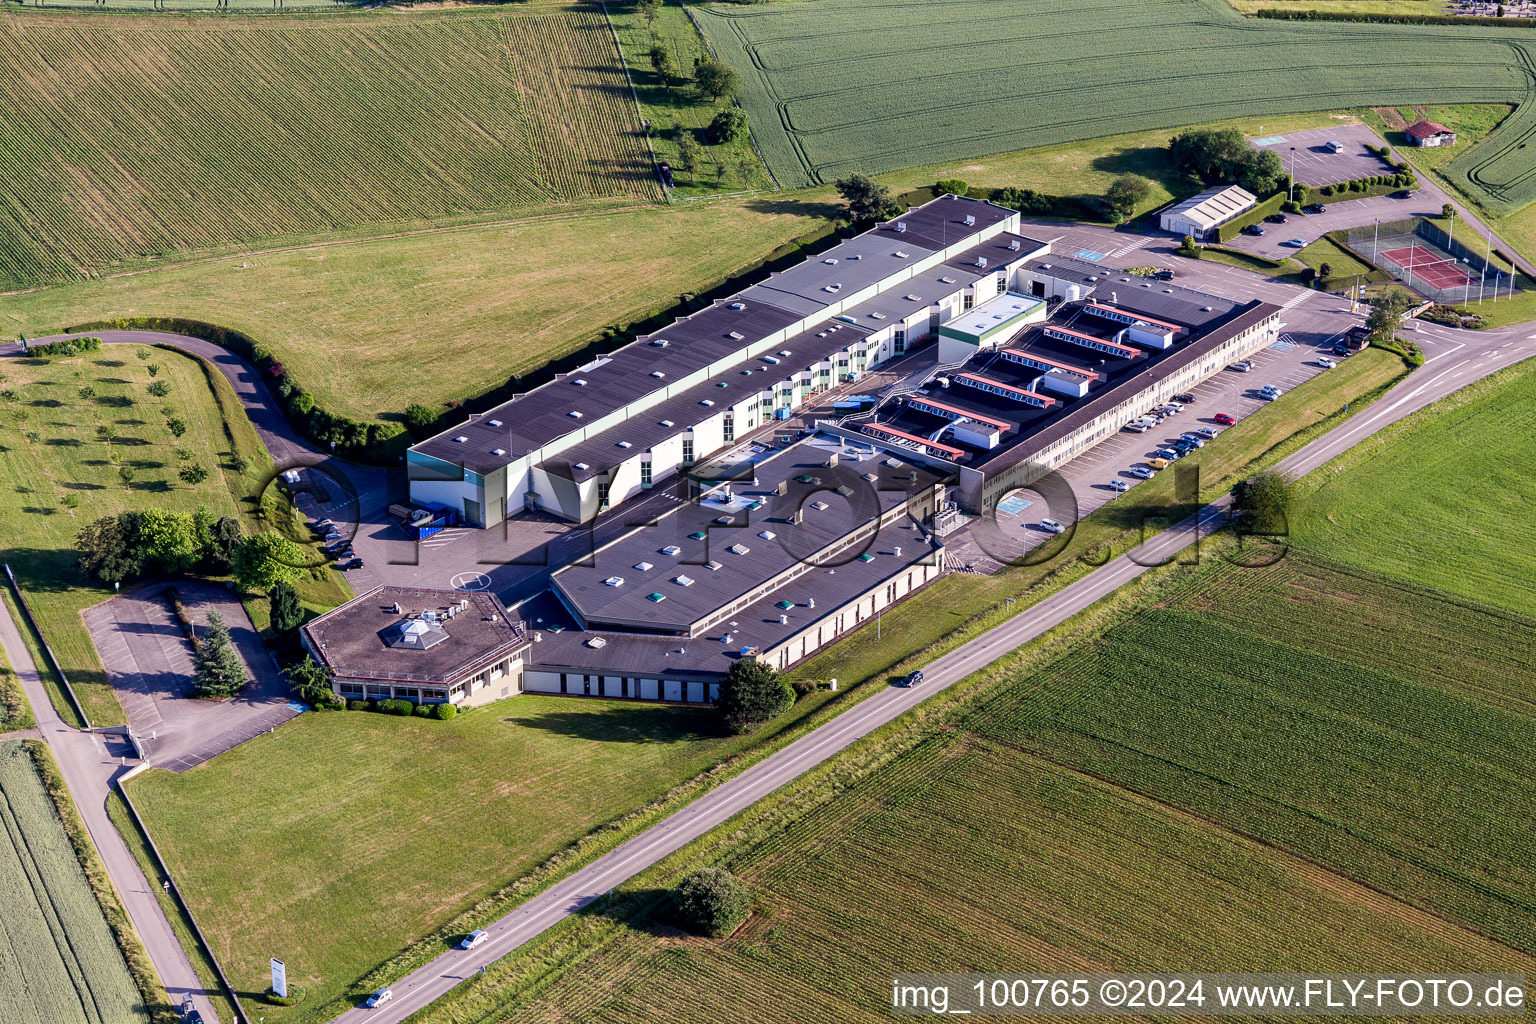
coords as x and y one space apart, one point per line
65 347
1226 232
1394 19
395 706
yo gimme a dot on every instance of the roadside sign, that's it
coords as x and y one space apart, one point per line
279 978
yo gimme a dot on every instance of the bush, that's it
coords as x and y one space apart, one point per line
65 347
358 705
1290 207
443 712
805 687
753 693
712 901
159 389
422 711
954 186
728 126
395 706
1327 190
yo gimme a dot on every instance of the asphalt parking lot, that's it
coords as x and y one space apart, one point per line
1349 213
1306 154
149 664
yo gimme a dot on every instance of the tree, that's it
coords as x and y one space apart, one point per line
169 540
159 388
728 126
1210 154
666 67
109 548
419 419
265 560
1385 318
1265 500
217 669
867 199
1446 209
1187 246
753 693
649 9
193 473
287 610
310 682
1261 172
954 187
712 901
1325 270
226 537
689 151
1127 192
176 425
716 79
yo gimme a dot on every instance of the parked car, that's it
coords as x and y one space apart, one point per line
322 524
1209 433
1253 229
1163 275
1403 193
1052 526
1185 399
194 1017
379 998
1326 363
1270 394
474 938
1171 408
913 678
1242 367
1144 472
1158 463
1315 208
1119 485
1137 427
1335 147
349 565
1224 419
1182 447
1276 218
1171 454
1194 437
1295 243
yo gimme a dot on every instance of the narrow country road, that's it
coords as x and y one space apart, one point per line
1439 377
88 769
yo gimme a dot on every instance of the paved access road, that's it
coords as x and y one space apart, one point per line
1455 363
89 761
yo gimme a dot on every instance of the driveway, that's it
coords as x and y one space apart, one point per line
149 663
1306 154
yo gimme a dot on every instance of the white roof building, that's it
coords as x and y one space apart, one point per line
1200 215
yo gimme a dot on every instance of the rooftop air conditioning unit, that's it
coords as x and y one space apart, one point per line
657 374
900 226
461 438
736 335
666 423
580 382
574 414
498 452
830 262
706 401
901 254
582 466
738 305
660 343
981 261
1013 246
495 423
970 221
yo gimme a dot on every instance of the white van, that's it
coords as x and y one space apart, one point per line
1335 147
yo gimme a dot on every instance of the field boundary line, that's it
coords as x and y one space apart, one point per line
229 989
53 660
634 96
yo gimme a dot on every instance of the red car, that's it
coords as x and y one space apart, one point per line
1223 419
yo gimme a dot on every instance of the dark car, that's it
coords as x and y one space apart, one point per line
1315 207
350 564
1403 193
1276 218
1341 348
1186 398
1164 275
193 1017
1253 229
913 678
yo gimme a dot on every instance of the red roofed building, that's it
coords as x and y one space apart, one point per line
1428 133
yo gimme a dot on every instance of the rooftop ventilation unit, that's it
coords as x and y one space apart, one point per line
877 316
901 254
706 401
735 335
784 353
580 382
657 374
498 452
461 438
914 297
738 305
947 280
899 226
981 261
831 262
831 287
625 444
597 643
574 414
582 467
495 423
1014 246
896 551
970 221
614 581
856 256
666 423
643 566
660 343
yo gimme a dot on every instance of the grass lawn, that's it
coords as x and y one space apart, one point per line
1342 265
15 712
730 167
489 300
56 475
1191 791
1087 168
410 824
1471 121
1442 499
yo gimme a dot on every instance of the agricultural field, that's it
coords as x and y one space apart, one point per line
495 299
58 960
1442 499
57 473
831 90
127 151
1189 789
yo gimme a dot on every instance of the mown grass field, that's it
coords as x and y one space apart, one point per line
1195 790
128 150
51 456
830 89
58 960
1442 499
468 306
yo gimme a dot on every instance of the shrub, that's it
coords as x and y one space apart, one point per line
805 687
728 126
753 693
955 186
712 901
159 389
394 706
193 473
357 705
443 712
422 711
1290 207
1327 190
176 425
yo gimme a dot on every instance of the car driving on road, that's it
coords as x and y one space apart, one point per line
379 998
474 938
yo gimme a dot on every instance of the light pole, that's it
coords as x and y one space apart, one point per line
1487 255
1466 291
1291 192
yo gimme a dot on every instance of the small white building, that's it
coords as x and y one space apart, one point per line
988 325
1200 215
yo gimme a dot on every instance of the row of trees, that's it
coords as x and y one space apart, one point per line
1222 155
131 546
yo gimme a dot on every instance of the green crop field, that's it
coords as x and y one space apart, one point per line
1195 789
831 88
57 474
58 960
127 139
1442 499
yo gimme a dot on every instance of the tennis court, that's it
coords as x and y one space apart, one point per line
1436 270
